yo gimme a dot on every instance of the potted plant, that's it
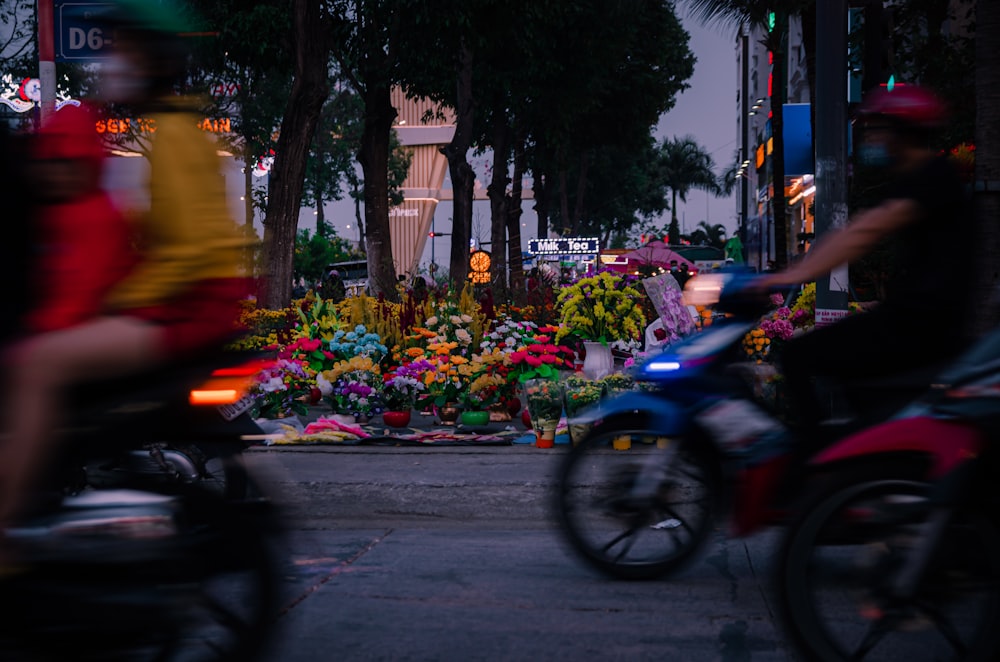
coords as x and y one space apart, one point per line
579 395
353 388
598 310
545 403
476 399
399 395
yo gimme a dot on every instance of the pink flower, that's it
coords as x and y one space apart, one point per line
533 361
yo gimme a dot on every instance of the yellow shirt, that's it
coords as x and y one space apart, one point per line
188 234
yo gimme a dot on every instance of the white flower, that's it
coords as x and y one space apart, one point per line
273 384
464 318
463 336
511 342
431 321
323 384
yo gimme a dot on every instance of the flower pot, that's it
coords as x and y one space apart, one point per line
448 413
513 405
396 419
541 441
475 418
598 362
498 413
622 443
577 431
526 418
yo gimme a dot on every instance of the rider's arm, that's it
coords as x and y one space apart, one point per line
850 242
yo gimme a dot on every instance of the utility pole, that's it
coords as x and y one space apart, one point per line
46 58
831 148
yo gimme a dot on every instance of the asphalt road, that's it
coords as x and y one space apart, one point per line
451 553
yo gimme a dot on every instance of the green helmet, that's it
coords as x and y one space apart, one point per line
163 16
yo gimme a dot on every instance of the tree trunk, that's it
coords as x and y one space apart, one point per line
778 156
374 159
987 168
514 258
564 203
462 178
497 192
309 92
674 231
358 218
540 187
320 216
581 191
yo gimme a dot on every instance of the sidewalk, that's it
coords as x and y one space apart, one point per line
315 428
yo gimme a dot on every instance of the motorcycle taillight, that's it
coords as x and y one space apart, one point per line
227 386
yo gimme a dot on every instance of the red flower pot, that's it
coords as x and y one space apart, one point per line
396 419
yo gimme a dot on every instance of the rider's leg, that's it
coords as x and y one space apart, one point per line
41 368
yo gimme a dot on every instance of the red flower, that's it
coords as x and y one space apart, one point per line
536 349
549 358
533 361
517 357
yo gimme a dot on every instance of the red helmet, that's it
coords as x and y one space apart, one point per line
907 104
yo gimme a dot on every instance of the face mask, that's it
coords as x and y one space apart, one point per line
120 83
875 155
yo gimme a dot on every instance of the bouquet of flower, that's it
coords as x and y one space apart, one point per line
352 386
668 301
484 391
309 351
616 383
539 358
404 386
358 342
545 401
581 393
600 308
507 335
281 390
356 393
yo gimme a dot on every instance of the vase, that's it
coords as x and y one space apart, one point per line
396 419
598 363
545 434
448 413
475 418
498 413
577 431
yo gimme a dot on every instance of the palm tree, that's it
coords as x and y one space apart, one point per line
772 16
684 165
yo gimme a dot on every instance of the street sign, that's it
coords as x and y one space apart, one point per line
564 246
80 34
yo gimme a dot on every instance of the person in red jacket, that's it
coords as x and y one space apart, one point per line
86 243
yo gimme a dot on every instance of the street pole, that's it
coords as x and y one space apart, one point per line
831 148
46 58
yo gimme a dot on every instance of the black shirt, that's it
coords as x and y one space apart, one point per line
935 265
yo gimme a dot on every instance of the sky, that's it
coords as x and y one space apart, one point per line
707 111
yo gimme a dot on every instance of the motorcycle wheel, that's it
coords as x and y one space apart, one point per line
628 536
838 559
208 593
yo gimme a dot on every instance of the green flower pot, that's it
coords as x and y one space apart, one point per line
475 418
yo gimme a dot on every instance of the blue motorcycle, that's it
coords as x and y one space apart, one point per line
638 497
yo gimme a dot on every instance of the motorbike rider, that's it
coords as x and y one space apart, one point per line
922 319
181 298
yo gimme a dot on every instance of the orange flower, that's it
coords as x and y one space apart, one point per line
426 333
415 352
459 360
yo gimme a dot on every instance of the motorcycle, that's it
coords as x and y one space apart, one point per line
898 555
701 446
149 538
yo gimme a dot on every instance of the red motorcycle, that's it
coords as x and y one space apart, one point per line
897 555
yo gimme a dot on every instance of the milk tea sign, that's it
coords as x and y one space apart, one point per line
564 246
